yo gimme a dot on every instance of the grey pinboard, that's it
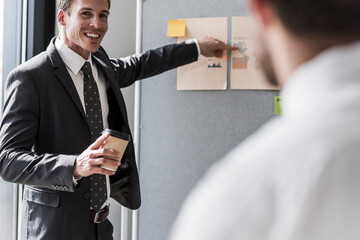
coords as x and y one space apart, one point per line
184 132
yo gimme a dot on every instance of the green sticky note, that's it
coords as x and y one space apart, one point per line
277 105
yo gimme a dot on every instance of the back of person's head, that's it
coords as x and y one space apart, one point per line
66 4
320 18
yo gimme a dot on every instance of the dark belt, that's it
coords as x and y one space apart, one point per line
98 217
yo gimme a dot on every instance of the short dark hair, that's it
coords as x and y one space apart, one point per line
322 18
66 4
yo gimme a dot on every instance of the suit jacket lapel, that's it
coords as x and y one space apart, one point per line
63 76
111 79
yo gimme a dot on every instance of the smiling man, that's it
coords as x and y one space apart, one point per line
56 106
83 25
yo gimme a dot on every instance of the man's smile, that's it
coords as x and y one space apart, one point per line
92 35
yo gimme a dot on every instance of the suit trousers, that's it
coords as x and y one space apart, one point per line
100 231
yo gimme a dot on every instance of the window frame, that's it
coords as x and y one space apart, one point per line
28 27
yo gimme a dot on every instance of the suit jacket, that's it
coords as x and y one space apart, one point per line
44 129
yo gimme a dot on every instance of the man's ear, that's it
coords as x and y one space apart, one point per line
262 12
61 17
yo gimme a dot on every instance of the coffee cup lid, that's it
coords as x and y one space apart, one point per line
118 134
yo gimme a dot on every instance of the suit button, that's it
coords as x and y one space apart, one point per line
87 195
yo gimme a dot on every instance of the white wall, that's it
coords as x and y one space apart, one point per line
120 42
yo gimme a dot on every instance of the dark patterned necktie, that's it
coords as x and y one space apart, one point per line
98 190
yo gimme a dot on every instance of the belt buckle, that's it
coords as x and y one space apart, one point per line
96 218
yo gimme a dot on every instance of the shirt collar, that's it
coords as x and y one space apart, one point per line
317 85
71 59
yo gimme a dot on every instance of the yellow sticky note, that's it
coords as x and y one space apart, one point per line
176 28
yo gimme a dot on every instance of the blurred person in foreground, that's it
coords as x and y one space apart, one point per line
298 177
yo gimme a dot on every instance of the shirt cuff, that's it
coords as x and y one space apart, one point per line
197 45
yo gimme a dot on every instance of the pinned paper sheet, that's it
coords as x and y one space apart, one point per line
176 28
246 71
206 73
277 105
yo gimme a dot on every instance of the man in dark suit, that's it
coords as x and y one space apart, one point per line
51 140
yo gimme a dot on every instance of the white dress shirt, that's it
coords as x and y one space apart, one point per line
296 178
74 63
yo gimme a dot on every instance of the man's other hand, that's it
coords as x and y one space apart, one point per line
212 47
89 162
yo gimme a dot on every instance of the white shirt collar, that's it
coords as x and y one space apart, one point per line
71 59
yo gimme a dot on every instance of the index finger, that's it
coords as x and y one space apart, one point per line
228 47
224 46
